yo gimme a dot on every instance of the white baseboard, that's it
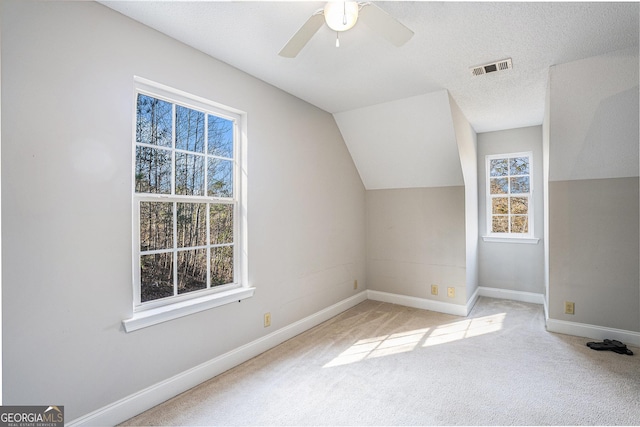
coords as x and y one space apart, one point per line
472 301
593 331
455 309
149 397
521 296
422 303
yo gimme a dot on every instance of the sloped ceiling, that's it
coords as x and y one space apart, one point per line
385 98
402 144
366 70
598 128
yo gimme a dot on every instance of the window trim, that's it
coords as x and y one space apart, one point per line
177 309
490 236
158 311
504 239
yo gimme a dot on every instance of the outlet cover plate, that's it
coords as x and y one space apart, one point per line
267 320
569 307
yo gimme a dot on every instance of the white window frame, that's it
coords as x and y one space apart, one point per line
168 308
509 237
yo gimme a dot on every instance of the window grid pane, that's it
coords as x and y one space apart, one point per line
500 205
156 226
519 166
220 137
499 167
153 170
191 224
156 276
192 270
519 224
499 186
220 176
189 174
500 224
189 129
519 184
221 223
153 121
221 265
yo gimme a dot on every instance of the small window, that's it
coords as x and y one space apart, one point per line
186 198
509 195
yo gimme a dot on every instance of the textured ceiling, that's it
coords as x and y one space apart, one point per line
449 38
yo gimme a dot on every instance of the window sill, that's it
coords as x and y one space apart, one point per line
165 313
525 240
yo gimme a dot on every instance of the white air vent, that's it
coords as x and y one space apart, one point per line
502 65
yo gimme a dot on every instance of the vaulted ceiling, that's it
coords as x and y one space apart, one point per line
366 69
391 103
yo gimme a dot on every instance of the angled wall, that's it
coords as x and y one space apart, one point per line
593 199
408 143
417 159
466 139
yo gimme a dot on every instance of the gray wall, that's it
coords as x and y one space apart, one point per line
67 97
416 238
512 266
594 251
593 190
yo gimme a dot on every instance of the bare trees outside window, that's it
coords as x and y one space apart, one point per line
509 194
184 199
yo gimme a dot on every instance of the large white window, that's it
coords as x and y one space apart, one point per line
509 195
187 240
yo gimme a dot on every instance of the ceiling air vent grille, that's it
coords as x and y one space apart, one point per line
502 65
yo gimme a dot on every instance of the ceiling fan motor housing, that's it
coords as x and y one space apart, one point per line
341 15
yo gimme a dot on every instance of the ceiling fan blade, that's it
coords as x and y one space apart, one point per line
302 37
388 26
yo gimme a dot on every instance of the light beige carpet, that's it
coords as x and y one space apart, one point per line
385 364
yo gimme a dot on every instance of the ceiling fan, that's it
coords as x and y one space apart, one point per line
342 16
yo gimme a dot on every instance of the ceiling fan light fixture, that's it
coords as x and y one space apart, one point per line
341 15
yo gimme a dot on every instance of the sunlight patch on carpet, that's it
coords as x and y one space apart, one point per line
465 329
403 342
